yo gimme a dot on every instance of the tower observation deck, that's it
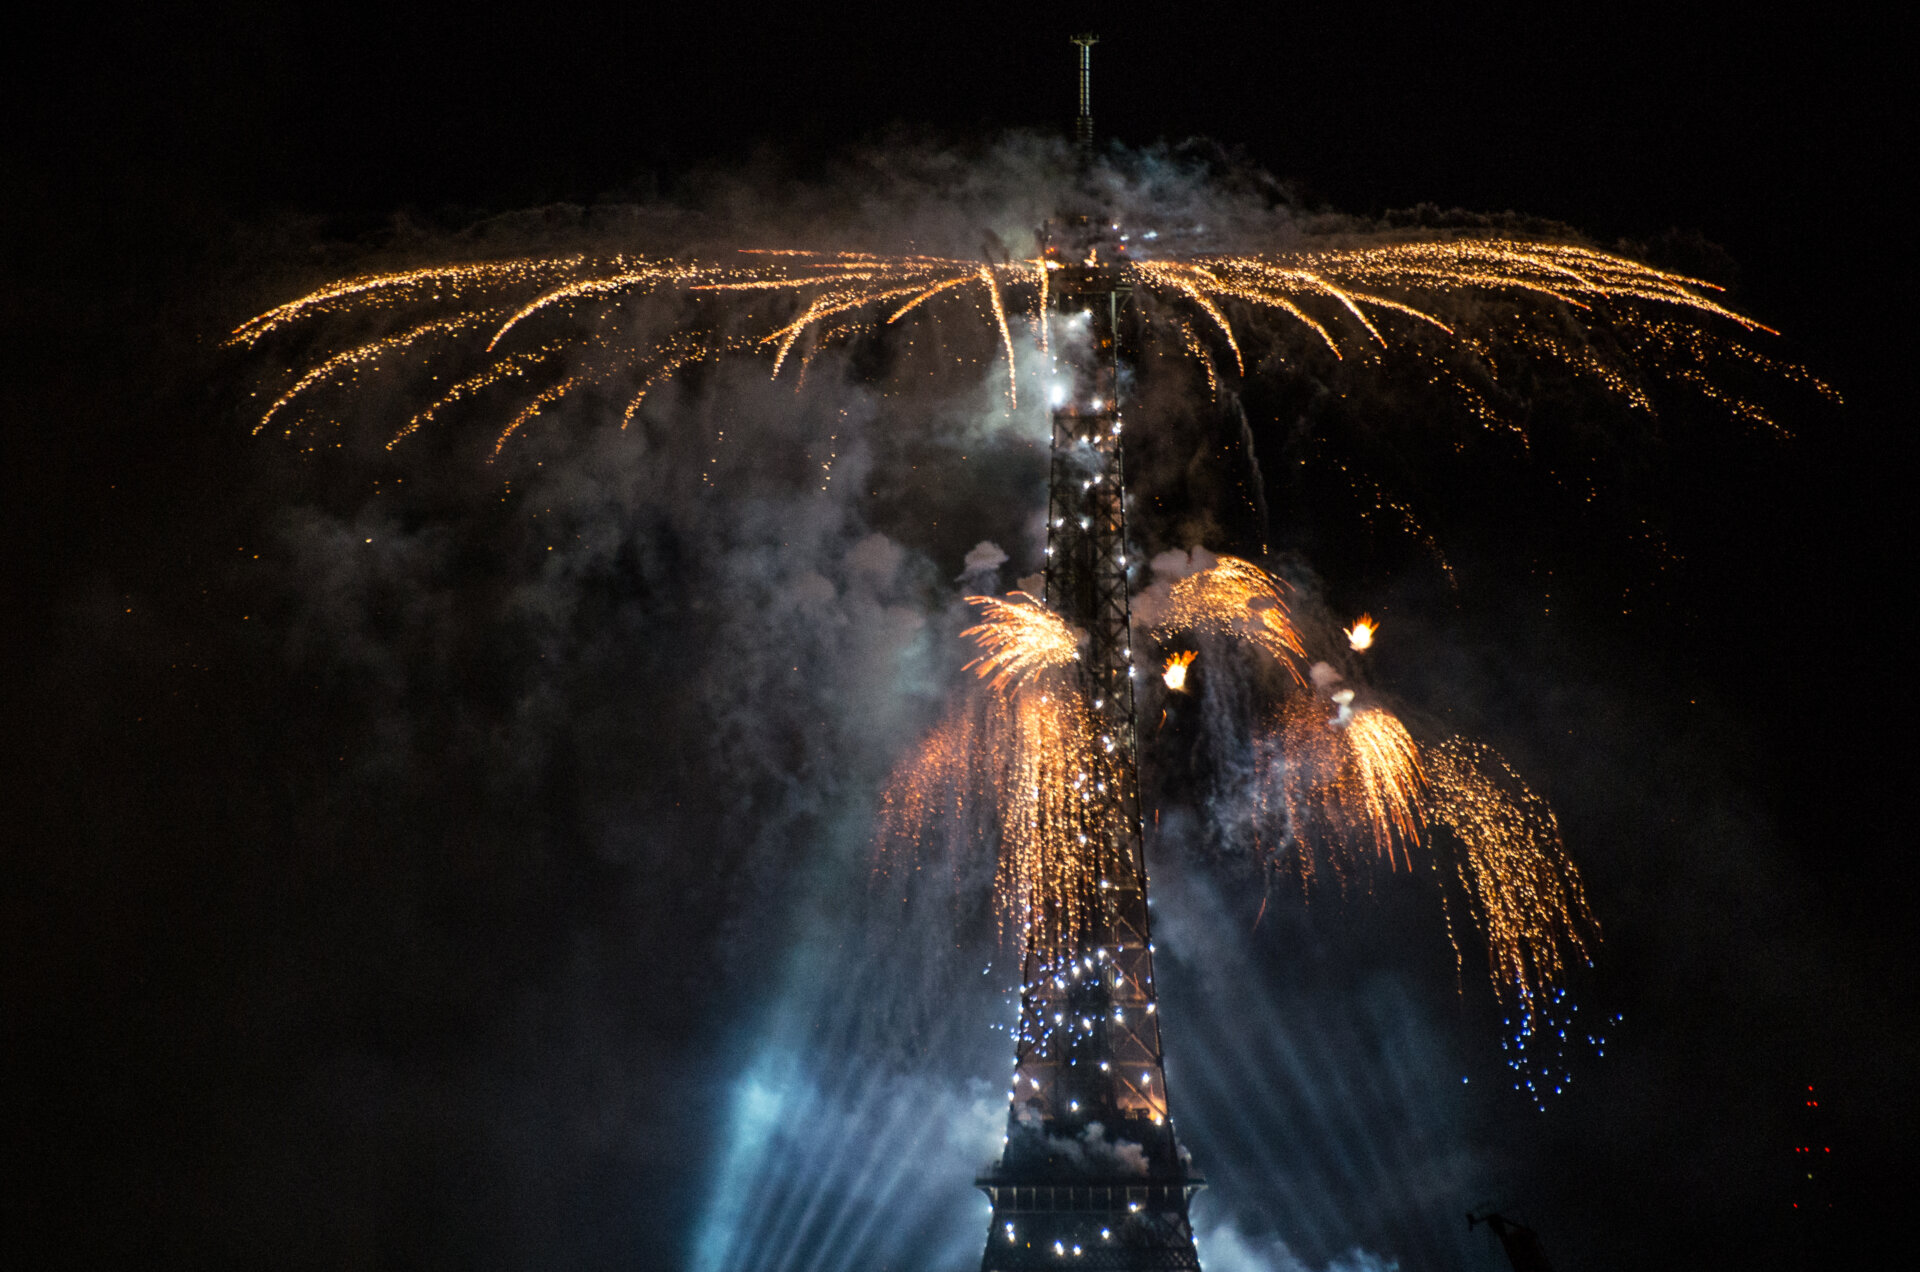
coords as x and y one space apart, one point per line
1092 1175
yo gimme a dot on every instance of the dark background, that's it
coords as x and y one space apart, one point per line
168 171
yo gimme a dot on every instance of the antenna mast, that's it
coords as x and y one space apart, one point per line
1083 127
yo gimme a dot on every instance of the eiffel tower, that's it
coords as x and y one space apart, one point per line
1092 1175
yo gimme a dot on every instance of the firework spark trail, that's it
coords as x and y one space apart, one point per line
445 280
1055 840
506 368
368 355
1690 352
939 788
1523 891
1236 598
1350 778
1184 279
837 295
626 280
1198 352
670 356
1023 761
1020 637
1006 337
1373 499
1388 780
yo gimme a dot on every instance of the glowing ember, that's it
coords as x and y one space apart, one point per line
1176 672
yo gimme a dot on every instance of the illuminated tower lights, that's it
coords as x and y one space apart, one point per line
1092 1174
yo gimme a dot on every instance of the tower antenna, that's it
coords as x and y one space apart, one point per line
1083 127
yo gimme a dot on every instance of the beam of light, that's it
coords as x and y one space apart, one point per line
759 1109
837 1150
1371 1151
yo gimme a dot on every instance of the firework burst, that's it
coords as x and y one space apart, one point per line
1020 637
1019 765
1523 892
516 338
1348 778
1020 761
1236 598
1348 784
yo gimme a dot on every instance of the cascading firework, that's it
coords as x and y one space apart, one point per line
532 332
1346 784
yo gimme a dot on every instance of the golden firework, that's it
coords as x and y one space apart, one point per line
1521 888
1407 295
1360 635
1020 637
1176 670
1236 598
1023 762
1349 778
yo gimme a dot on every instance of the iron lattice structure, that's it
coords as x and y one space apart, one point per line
1092 1175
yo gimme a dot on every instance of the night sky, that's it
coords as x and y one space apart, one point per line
413 861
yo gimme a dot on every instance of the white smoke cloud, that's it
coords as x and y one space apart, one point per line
983 562
1167 568
1224 1248
1091 1150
